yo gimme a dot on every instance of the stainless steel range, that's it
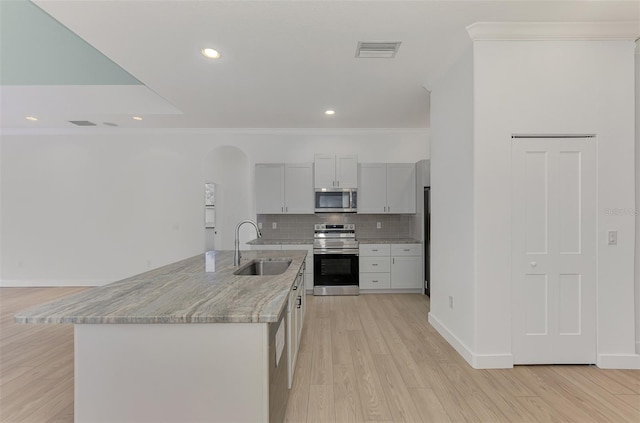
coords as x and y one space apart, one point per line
335 259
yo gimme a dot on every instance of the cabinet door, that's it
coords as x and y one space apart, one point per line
401 188
347 171
405 272
324 166
372 188
269 188
298 188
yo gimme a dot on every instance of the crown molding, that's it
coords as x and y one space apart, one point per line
561 31
207 131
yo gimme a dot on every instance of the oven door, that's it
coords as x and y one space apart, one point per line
335 268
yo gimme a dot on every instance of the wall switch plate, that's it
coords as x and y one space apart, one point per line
450 301
259 225
379 225
613 238
274 225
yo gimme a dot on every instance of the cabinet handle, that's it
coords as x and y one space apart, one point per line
338 183
374 250
286 209
407 249
374 264
299 302
375 281
282 209
389 209
393 260
295 287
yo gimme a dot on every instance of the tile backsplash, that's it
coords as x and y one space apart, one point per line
300 226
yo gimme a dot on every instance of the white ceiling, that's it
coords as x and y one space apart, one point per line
283 62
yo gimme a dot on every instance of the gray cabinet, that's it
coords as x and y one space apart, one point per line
284 188
390 266
386 188
331 171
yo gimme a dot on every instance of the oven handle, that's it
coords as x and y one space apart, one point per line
336 251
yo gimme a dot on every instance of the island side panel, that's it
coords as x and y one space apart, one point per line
171 373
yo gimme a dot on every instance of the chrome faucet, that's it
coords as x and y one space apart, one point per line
236 254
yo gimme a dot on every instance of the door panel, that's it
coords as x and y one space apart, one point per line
536 188
537 304
569 201
553 250
569 305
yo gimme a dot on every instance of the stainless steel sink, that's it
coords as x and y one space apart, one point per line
264 267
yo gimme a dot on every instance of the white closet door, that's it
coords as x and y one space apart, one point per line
554 250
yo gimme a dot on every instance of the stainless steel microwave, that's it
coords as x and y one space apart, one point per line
336 200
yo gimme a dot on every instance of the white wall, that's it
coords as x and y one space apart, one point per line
554 87
452 184
88 207
637 209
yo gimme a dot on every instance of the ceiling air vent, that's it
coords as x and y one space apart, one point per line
82 123
377 49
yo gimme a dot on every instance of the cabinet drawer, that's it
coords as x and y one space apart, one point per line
375 250
375 264
375 281
406 249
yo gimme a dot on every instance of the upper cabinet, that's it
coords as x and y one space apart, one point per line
333 171
387 188
284 188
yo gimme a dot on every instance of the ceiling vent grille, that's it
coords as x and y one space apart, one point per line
377 49
82 123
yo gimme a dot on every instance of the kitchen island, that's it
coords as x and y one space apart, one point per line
178 344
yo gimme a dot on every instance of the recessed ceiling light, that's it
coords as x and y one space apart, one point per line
31 118
210 53
330 112
137 118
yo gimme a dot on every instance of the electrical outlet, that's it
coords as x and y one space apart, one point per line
260 225
613 237
379 225
274 225
450 301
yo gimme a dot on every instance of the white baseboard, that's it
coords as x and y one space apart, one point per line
477 361
618 361
50 283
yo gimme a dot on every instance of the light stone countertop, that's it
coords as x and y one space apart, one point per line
388 241
181 292
263 241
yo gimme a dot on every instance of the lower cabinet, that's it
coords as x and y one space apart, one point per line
295 315
308 262
390 266
297 302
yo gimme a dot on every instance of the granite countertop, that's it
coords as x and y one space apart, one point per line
388 241
263 241
181 292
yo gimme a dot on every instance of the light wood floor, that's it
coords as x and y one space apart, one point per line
371 358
